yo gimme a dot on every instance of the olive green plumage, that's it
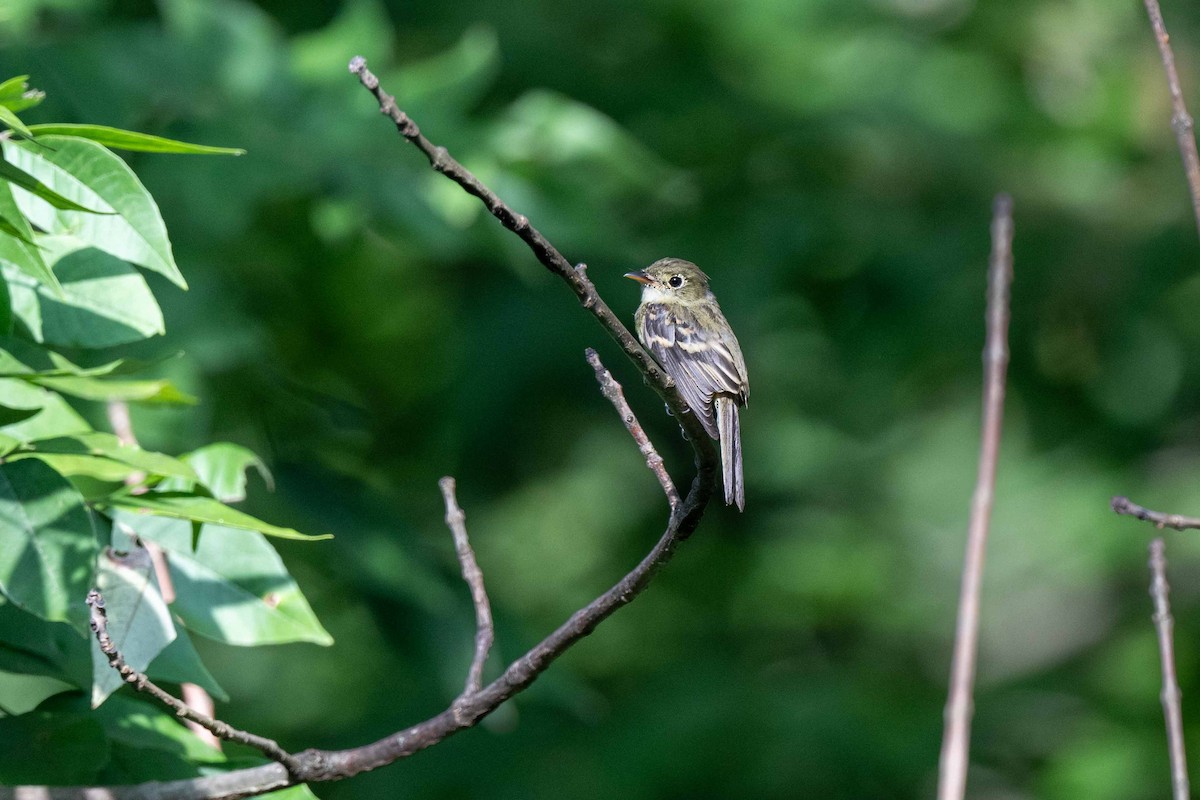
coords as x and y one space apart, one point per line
681 324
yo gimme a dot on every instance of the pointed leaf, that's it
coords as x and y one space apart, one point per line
17 246
10 416
118 139
196 508
13 121
16 95
151 391
180 663
47 543
109 446
104 302
223 468
19 177
232 587
89 173
57 418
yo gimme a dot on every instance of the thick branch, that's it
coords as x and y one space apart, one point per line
456 521
612 390
956 742
99 623
1181 120
1159 519
1164 627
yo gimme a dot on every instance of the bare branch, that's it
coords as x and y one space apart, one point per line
575 277
952 773
139 681
313 766
1181 120
1164 626
1159 519
612 390
456 521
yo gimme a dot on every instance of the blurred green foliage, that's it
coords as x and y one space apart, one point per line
366 328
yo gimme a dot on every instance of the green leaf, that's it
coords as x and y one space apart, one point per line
22 359
160 390
73 467
223 469
232 587
118 139
57 418
8 444
19 177
89 173
47 543
138 620
21 693
10 416
180 505
34 647
180 663
109 446
104 302
16 95
17 246
51 748
13 121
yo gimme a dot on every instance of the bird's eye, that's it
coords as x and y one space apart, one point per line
676 281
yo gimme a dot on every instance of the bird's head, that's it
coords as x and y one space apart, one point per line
671 280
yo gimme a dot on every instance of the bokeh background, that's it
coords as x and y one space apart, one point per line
360 323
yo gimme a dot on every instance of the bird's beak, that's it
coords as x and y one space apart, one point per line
638 276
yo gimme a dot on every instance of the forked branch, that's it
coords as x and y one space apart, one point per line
476 701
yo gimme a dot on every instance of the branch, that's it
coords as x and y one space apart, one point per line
469 708
1164 626
1181 121
575 277
456 520
1159 519
99 623
952 772
612 390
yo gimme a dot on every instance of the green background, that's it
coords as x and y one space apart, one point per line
360 323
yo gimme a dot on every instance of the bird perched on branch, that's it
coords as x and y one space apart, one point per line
682 326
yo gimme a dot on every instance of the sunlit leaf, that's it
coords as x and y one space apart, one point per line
90 174
10 119
118 139
232 587
18 177
57 417
47 543
109 446
201 509
104 302
17 246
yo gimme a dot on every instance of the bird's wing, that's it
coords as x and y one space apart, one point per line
701 364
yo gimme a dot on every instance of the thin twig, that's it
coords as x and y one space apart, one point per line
612 390
574 276
139 681
466 711
1159 519
456 521
1181 120
1164 626
952 774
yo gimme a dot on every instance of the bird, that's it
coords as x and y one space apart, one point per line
681 324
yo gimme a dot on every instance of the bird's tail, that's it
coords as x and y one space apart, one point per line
730 431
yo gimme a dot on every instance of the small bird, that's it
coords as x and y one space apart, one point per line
682 326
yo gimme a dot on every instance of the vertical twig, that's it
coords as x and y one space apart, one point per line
952 772
1181 120
456 521
1164 626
